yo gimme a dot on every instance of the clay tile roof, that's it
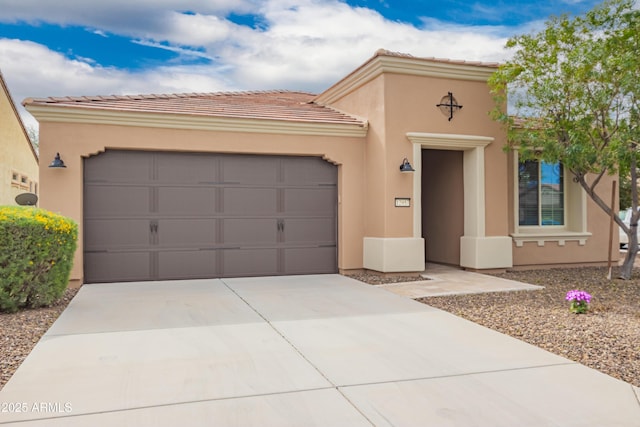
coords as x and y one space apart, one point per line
273 105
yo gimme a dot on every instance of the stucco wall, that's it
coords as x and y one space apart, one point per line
400 109
16 155
62 188
396 104
595 249
411 106
369 101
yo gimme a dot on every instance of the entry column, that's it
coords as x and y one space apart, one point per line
477 250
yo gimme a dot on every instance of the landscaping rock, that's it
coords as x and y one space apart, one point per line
606 338
21 331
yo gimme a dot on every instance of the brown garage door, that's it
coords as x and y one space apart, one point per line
156 216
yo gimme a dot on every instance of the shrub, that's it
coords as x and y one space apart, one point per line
36 256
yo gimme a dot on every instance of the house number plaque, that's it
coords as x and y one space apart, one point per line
403 202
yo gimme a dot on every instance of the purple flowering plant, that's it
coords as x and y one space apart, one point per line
579 301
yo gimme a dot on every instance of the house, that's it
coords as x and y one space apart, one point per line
396 164
18 159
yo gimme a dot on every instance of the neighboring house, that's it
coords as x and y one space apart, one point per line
184 186
18 159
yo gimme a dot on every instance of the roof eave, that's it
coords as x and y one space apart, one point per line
66 114
385 63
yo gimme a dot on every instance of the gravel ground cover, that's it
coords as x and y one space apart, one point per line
606 338
380 279
19 333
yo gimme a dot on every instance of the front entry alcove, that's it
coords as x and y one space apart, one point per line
442 205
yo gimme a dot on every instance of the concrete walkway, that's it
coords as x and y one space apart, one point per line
293 351
445 280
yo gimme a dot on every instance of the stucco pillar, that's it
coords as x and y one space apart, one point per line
477 250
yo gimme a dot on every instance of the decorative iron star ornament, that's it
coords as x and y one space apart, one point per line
448 105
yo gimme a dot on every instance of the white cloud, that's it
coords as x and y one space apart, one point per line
194 30
304 44
183 22
183 52
32 70
122 15
315 43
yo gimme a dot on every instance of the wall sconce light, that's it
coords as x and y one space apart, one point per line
57 162
448 105
406 166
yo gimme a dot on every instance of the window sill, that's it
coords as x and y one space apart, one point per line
541 236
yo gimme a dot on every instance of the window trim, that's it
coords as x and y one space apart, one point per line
564 202
24 182
575 215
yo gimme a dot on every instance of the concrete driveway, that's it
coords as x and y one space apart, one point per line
293 351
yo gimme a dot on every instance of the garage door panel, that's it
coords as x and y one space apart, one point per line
250 201
116 267
319 260
305 201
104 201
188 264
250 231
119 167
310 230
261 170
250 262
152 216
195 233
117 234
308 171
186 168
186 200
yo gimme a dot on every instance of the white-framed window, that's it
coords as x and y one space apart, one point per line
541 197
548 205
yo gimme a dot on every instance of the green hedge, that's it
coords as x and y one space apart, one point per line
36 256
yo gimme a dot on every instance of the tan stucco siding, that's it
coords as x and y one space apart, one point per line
594 250
16 156
392 100
62 188
369 101
397 104
411 103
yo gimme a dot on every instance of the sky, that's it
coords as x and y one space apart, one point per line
95 47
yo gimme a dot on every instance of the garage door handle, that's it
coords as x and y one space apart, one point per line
153 226
280 225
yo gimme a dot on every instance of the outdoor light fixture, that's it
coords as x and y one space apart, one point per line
406 166
57 162
448 105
